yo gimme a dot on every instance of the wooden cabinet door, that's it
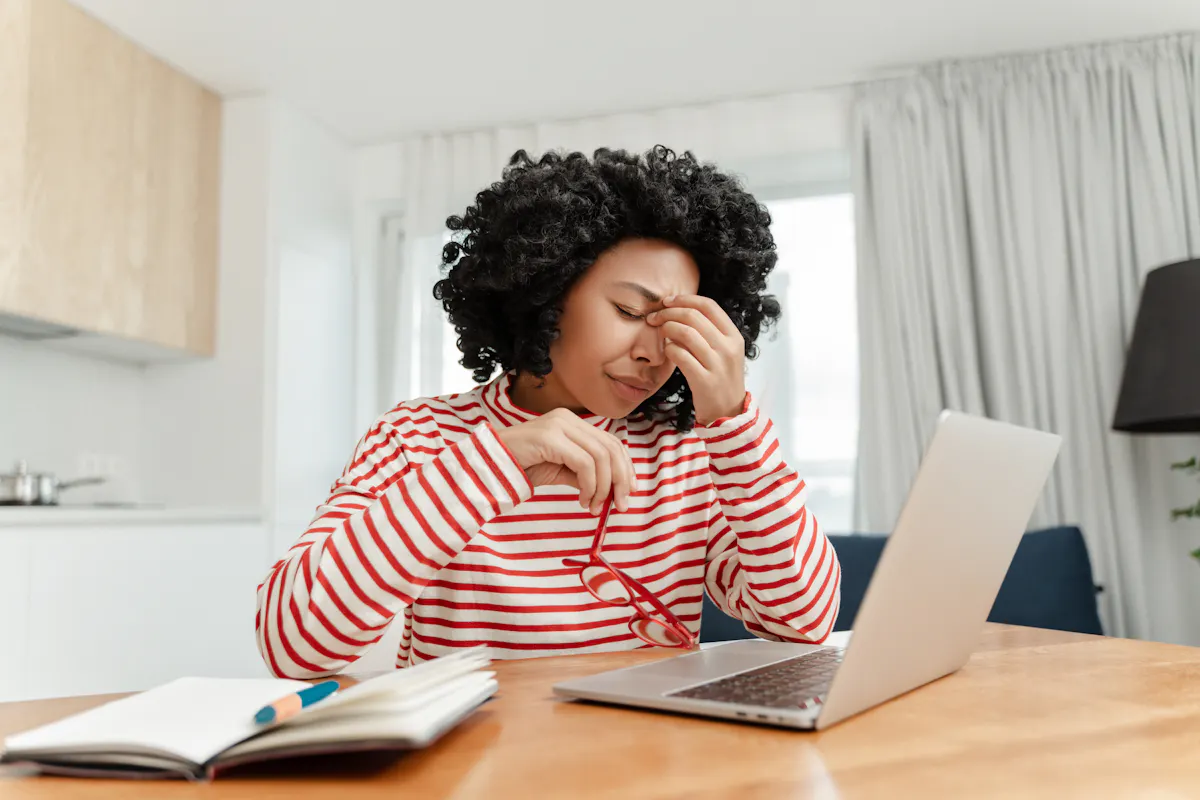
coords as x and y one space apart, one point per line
118 216
173 201
76 267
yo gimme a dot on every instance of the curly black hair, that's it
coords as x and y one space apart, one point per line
532 234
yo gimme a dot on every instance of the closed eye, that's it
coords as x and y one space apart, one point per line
627 314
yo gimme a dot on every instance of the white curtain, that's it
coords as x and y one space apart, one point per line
441 174
1007 212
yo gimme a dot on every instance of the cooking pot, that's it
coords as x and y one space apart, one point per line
25 488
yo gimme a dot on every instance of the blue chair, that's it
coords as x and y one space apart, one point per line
1049 585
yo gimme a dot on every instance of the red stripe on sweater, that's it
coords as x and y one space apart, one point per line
337 601
447 517
401 532
514 496
469 471
738 431
430 532
751 467
268 650
369 568
463 501
315 610
364 599
283 638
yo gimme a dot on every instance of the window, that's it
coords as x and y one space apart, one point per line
806 375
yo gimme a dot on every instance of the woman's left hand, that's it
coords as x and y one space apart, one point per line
701 339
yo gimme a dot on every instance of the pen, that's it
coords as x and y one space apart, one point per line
290 705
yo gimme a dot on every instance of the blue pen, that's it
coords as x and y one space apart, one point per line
290 706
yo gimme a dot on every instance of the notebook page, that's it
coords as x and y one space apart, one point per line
409 682
387 705
414 727
192 718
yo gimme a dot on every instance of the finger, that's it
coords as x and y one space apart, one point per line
602 460
690 339
620 466
693 318
687 363
562 476
622 472
707 306
577 459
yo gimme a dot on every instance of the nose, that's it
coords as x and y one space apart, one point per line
648 347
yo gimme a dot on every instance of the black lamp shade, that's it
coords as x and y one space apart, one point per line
1160 391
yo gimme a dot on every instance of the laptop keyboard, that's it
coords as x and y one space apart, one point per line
798 682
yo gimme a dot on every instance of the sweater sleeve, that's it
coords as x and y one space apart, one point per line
768 563
400 512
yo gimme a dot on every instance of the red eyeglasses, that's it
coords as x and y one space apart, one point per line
609 585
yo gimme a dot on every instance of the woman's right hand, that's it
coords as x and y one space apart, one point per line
558 448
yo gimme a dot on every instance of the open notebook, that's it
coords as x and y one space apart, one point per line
196 727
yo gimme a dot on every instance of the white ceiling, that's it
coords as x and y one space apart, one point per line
375 69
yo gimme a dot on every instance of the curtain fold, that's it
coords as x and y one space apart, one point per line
1008 210
441 175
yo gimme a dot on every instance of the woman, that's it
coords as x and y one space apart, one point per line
615 469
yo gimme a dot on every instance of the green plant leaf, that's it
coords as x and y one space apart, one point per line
1188 512
1191 465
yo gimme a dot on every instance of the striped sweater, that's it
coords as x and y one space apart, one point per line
433 520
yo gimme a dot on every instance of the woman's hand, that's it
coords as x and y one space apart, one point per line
701 339
558 448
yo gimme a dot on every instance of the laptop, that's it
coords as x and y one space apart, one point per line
922 614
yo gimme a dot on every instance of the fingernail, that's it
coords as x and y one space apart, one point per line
669 299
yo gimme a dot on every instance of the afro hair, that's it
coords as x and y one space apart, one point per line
528 237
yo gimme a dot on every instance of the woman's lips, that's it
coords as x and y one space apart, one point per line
628 392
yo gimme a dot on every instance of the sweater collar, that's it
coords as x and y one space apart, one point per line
500 405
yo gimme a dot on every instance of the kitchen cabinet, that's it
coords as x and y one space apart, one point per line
14 615
123 607
109 162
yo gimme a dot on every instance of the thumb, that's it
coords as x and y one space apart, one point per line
549 474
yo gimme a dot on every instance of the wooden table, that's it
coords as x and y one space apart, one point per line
1034 713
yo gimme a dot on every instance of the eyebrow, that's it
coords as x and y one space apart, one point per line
642 290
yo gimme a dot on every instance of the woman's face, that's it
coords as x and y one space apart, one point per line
607 359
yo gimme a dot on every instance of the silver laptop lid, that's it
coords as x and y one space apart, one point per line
939 574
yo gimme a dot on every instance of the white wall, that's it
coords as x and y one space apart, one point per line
57 406
202 434
269 420
310 390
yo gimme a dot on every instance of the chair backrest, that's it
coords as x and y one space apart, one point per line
1048 585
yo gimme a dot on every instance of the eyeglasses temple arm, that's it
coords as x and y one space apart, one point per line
601 528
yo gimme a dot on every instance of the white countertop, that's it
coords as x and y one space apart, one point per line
148 514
